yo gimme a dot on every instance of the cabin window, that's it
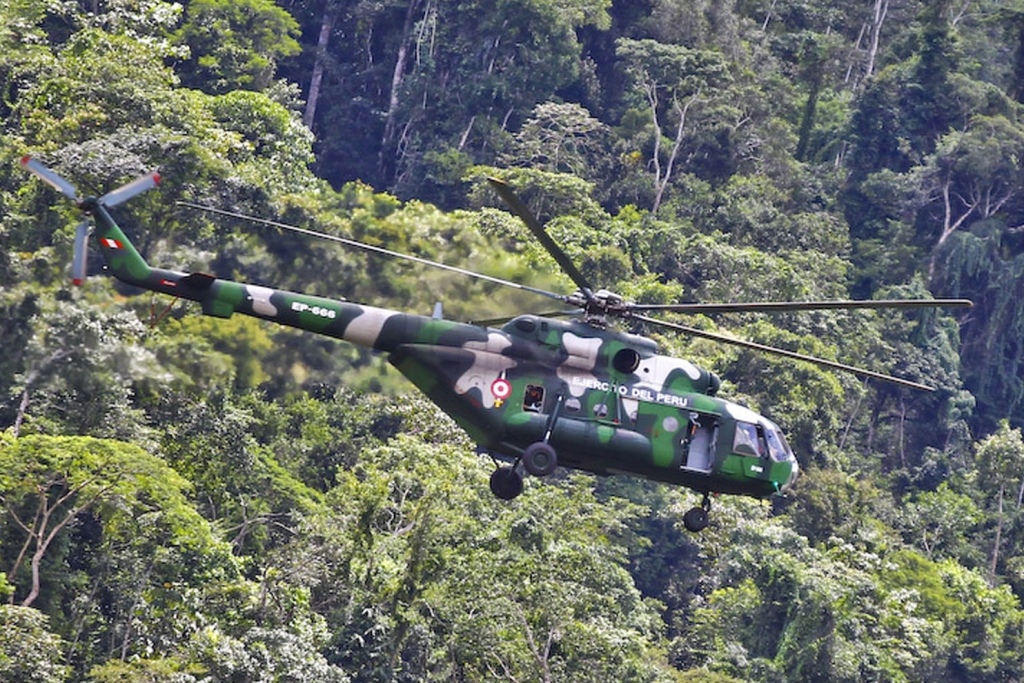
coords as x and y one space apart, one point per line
749 440
572 404
533 398
601 410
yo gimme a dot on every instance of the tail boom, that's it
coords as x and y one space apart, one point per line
376 328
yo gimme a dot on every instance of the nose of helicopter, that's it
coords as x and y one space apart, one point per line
794 472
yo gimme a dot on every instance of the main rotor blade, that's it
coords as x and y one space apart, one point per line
783 352
49 177
376 250
524 213
779 306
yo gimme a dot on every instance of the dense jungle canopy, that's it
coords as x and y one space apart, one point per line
190 499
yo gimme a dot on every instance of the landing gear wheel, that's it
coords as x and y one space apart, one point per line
539 459
695 519
506 483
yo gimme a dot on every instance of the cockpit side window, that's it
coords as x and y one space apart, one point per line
749 440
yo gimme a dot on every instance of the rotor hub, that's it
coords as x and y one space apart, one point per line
597 306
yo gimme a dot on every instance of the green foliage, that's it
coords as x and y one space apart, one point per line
446 581
29 651
1001 458
851 611
561 138
235 45
939 523
983 263
277 507
97 81
163 670
75 372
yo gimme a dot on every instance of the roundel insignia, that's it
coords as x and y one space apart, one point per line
501 388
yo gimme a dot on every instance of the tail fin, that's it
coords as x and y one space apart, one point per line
123 259
120 254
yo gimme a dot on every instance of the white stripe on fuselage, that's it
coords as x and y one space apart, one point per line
366 327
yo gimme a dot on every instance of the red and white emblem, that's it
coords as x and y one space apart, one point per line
501 388
110 243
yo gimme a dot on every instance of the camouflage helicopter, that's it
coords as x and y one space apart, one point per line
539 392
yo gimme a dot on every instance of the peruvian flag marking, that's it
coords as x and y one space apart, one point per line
111 243
501 388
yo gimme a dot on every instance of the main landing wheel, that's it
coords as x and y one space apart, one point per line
539 459
696 519
506 483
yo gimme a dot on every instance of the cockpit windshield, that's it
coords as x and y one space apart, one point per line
778 448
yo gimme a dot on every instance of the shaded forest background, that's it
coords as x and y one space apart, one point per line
188 499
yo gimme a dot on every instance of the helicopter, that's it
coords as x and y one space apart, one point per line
540 391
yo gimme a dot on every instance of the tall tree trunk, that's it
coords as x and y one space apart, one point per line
999 537
385 161
326 28
662 178
881 9
810 109
19 417
1015 89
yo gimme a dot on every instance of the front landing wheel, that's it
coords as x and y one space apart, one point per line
506 483
695 519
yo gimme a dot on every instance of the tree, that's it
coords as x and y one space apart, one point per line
423 83
331 11
853 609
76 371
1011 18
672 80
238 483
940 522
973 175
29 651
1001 464
99 82
560 138
48 483
982 264
235 45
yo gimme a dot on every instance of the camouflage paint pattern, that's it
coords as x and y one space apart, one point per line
606 401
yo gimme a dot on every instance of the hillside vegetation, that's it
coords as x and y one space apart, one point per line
193 499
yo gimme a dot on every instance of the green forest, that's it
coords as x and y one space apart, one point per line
189 499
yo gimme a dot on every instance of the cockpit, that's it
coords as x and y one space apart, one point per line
756 436
761 439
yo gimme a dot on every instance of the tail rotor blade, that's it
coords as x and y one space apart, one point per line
80 261
129 190
49 177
